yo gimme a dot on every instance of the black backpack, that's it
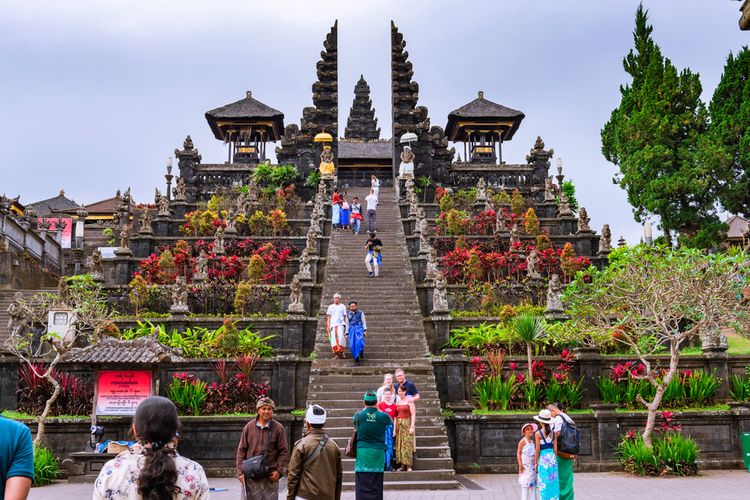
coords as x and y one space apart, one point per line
569 439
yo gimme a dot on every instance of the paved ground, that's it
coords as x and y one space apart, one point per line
724 485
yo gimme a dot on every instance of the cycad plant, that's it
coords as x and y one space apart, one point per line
529 329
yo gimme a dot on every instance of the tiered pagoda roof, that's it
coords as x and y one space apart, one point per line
482 113
247 112
362 123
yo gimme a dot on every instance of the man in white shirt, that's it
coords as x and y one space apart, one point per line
564 460
372 205
336 326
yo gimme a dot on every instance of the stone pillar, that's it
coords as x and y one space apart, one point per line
442 325
588 371
122 266
467 433
294 334
180 209
457 387
144 245
285 380
604 442
716 360
162 225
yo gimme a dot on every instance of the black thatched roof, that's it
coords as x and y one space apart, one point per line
247 111
59 203
145 350
367 150
483 111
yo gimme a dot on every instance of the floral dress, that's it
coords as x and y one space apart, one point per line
549 485
527 479
118 479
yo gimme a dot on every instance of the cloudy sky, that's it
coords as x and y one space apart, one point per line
94 95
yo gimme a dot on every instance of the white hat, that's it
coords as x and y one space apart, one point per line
336 295
312 418
544 417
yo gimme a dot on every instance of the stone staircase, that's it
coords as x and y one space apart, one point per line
396 339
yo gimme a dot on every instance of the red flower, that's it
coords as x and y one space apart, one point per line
520 378
513 365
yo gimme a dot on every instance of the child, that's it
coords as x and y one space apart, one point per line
546 457
526 462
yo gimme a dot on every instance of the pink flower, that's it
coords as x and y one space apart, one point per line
520 378
513 365
565 353
476 360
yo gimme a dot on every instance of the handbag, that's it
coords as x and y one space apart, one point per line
256 467
351 444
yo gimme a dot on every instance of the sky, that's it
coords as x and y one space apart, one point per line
95 95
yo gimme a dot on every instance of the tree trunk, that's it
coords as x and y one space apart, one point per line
667 235
41 420
653 406
528 357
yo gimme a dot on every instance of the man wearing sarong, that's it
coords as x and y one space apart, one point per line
356 332
564 460
336 326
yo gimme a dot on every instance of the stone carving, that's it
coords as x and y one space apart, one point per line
406 168
432 265
179 297
180 190
201 267
424 235
305 272
96 266
187 144
296 306
146 219
583 221
481 190
514 237
563 208
554 292
549 190
326 163
605 242
19 318
125 239
532 265
163 204
219 241
312 241
232 220
712 340
440 295
63 292
499 221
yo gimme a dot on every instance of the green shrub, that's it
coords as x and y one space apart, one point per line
700 387
532 394
479 337
610 391
187 393
672 453
567 392
494 393
45 466
740 386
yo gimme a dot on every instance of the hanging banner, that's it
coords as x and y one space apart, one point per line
121 391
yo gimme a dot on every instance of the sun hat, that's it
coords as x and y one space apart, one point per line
534 427
312 418
544 417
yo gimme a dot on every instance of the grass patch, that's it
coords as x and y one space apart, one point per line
526 412
19 415
716 407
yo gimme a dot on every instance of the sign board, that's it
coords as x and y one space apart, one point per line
120 392
67 232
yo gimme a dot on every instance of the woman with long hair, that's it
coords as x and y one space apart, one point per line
152 469
405 416
545 440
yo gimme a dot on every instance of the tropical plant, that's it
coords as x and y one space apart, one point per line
671 453
531 222
740 390
566 392
187 393
533 394
45 466
530 330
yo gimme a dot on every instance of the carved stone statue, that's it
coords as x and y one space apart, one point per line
180 190
146 219
549 190
432 265
187 144
63 292
481 190
125 239
305 273
312 241
96 266
583 221
440 295
563 208
232 220
179 297
532 265
605 242
164 210
19 319
554 291
499 221
406 168
201 267
514 237
296 306
219 241
326 163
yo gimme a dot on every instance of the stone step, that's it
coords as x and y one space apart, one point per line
425 468
409 485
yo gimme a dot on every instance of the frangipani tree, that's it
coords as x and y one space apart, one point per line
656 298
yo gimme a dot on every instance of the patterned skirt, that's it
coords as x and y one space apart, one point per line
549 486
404 442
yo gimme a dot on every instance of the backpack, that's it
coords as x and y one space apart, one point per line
569 438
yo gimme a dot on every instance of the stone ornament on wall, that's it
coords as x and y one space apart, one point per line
440 295
179 297
296 305
583 221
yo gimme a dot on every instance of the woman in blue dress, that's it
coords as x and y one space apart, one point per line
344 218
357 331
546 457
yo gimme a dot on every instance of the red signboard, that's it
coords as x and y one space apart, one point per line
67 229
121 391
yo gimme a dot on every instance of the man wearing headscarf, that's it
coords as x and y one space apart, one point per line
371 424
336 326
263 436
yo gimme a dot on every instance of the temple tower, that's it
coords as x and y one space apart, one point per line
362 123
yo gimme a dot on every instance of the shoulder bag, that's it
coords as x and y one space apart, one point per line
257 467
351 444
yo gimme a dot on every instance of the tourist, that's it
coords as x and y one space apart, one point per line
370 424
335 208
356 332
411 390
315 469
387 383
16 459
564 460
375 185
374 257
356 215
336 325
404 430
344 218
266 438
388 406
545 441
526 455
152 469
372 206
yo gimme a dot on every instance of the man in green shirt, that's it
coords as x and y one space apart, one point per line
16 460
371 424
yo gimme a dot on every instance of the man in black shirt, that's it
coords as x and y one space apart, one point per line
373 259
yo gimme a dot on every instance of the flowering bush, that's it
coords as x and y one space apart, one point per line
33 392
